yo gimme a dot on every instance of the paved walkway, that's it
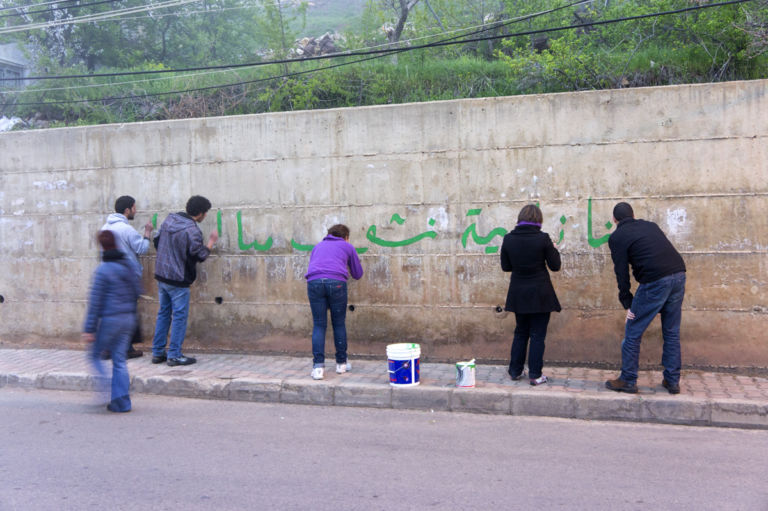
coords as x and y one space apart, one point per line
707 399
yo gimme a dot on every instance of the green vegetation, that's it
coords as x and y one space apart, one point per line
707 45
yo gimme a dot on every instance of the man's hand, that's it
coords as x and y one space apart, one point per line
88 337
212 239
148 230
630 315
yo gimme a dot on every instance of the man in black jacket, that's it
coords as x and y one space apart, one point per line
180 247
660 271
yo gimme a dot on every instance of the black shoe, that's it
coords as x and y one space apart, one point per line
115 410
159 359
515 377
181 361
673 388
621 386
133 353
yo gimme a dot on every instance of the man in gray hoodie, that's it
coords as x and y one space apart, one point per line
179 244
132 244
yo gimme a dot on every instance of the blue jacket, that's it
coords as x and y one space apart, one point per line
115 290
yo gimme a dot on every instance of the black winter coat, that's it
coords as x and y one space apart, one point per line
526 252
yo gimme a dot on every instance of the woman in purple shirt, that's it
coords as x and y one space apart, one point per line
327 289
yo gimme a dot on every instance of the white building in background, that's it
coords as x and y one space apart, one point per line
13 65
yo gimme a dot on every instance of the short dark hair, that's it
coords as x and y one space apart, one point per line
622 210
530 213
198 204
339 230
124 202
106 239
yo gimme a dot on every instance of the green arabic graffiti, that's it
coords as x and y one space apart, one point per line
481 240
218 222
255 245
562 232
308 248
595 242
371 235
154 221
397 219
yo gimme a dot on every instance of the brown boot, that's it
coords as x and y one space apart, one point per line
620 385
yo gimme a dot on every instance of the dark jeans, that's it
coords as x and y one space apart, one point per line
533 326
327 294
663 296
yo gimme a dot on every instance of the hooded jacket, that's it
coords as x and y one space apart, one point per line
114 290
129 241
179 244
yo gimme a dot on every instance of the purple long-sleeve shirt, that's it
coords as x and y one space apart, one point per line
330 259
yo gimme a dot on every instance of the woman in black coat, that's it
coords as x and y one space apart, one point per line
527 252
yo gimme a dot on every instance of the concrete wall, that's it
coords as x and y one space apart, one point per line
426 189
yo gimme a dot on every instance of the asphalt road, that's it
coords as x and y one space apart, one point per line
58 451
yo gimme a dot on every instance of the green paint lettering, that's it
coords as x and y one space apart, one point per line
595 242
300 247
371 235
255 245
218 222
397 218
154 221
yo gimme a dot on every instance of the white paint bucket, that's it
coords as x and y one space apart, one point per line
403 361
465 374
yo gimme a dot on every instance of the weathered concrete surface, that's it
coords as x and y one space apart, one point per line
692 158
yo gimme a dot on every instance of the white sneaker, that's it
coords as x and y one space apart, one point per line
343 368
317 373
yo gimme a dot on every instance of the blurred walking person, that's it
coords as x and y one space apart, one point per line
131 244
330 263
111 319
527 252
179 245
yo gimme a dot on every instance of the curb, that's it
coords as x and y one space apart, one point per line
609 407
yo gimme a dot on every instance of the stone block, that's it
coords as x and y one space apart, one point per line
363 394
479 400
307 392
422 398
251 389
67 381
742 414
613 406
544 404
671 410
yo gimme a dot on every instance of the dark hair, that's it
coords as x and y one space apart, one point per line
530 213
106 239
622 210
198 204
339 230
124 202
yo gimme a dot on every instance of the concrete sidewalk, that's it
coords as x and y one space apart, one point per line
707 399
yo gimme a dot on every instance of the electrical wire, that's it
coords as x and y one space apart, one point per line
383 53
353 53
25 6
53 9
94 17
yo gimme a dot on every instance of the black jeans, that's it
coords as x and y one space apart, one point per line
533 326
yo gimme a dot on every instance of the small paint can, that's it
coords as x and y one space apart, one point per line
465 374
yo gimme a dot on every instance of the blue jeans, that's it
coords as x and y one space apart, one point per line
663 296
114 335
327 294
173 313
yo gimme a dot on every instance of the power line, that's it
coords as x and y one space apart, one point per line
382 53
472 30
77 6
11 7
355 53
94 17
